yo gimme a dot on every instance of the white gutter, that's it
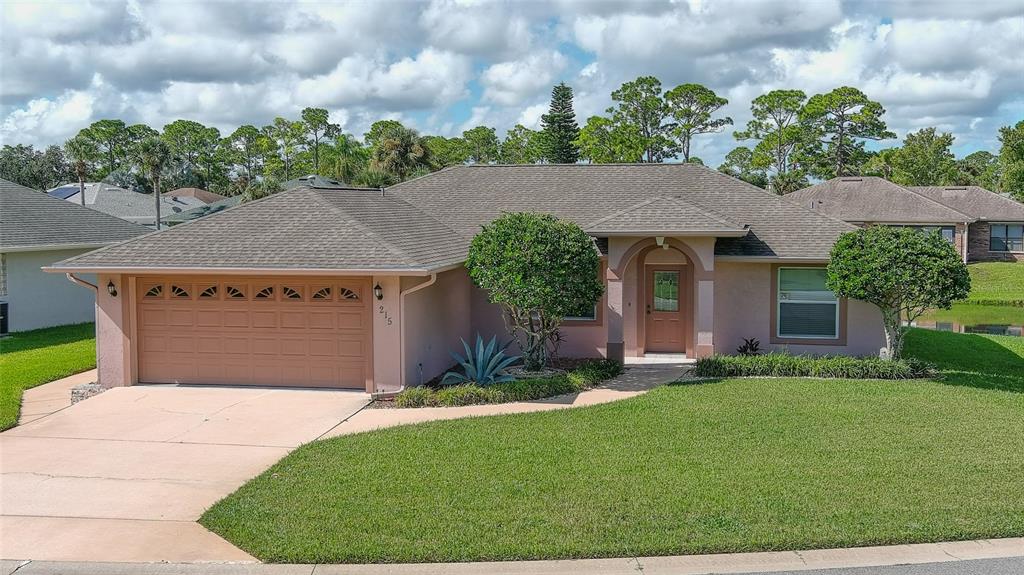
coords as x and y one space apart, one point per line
77 280
401 343
51 247
140 270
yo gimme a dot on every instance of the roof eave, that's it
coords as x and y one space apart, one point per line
770 259
669 233
52 247
143 270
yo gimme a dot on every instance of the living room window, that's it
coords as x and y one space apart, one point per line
806 308
1006 237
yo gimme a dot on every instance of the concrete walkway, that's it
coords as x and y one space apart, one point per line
51 397
957 558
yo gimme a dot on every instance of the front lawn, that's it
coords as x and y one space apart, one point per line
31 358
997 283
730 465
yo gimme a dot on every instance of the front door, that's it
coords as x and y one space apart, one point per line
664 331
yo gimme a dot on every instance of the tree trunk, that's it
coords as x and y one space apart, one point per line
81 187
894 333
156 199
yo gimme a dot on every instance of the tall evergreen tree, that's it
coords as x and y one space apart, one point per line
560 128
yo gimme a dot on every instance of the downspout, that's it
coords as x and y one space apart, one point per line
77 280
967 239
401 343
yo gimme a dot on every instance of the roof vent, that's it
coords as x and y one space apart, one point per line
955 188
851 179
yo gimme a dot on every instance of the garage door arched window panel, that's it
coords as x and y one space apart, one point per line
321 293
289 293
346 294
234 291
152 290
208 291
265 293
180 291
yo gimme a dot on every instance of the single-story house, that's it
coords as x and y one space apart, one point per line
200 194
367 289
37 230
128 205
982 225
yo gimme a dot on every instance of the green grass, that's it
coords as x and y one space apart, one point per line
971 314
31 358
996 283
730 465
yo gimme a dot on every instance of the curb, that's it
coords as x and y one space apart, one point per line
881 556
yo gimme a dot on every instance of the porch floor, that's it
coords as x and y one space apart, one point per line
660 359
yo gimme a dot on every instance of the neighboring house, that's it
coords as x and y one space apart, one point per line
982 225
201 211
197 193
37 230
131 206
314 181
367 289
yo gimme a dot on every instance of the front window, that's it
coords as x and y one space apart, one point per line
806 308
1006 237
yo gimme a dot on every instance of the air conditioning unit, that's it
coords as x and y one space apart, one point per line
3 318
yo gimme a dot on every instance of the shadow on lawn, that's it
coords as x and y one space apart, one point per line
971 360
46 337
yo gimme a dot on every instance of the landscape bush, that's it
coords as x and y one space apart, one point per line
778 364
583 376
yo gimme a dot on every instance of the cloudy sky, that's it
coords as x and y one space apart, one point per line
446 65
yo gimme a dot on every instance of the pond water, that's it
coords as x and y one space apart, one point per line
968 318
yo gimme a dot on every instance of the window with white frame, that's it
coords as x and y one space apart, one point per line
806 309
1006 237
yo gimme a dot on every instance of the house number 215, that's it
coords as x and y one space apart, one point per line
387 316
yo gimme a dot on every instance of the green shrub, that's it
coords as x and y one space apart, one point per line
468 394
416 397
584 376
778 364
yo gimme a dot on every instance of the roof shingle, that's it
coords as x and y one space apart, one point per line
31 219
873 199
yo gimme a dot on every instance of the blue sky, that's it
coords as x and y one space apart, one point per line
447 65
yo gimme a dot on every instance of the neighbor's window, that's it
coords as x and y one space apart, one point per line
806 308
1006 237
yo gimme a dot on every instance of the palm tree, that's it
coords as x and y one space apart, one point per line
82 152
153 154
400 153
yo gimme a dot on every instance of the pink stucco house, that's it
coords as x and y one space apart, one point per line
366 289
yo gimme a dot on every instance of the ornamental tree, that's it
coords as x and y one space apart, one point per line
903 271
539 269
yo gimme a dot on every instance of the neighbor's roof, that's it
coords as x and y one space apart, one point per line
200 211
975 201
873 199
197 193
301 229
428 223
125 204
30 219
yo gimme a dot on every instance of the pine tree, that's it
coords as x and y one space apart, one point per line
560 128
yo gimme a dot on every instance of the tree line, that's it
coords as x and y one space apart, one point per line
791 140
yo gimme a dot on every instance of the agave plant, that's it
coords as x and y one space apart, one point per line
483 366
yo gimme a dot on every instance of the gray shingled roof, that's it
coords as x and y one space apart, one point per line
873 199
465 197
975 201
31 219
428 223
664 216
304 228
200 211
128 205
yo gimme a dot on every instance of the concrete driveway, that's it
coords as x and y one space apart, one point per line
123 476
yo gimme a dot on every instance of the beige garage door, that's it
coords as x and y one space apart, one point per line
254 331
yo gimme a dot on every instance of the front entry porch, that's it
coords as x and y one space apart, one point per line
660 299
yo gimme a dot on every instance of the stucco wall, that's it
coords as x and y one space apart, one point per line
37 299
743 304
113 344
437 318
